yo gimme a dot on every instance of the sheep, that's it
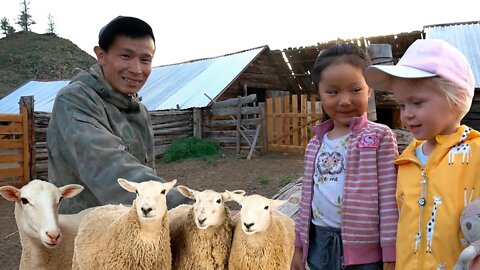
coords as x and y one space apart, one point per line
46 237
127 237
201 234
263 238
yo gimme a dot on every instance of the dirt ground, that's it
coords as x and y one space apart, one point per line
263 174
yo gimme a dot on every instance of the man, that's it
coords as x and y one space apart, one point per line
99 131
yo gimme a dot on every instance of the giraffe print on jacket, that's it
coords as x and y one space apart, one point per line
460 148
431 224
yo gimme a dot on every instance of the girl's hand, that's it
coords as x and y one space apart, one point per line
297 260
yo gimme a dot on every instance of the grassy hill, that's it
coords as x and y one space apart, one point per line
26 56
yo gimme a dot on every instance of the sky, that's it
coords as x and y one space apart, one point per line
192 29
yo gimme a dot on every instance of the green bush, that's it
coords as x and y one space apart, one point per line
190 148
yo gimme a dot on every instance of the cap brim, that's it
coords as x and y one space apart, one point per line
379 77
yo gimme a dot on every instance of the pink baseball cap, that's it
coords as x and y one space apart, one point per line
423 59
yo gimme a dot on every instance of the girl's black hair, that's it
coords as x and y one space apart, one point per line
345 52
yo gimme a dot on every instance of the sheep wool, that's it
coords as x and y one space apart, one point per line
193 248
271 249
111 238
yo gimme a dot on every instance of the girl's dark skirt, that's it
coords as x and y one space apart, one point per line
325 251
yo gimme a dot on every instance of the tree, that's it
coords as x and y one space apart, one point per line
6 27
25 19
51 24
4 24
10 30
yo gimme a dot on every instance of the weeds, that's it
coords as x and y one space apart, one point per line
191 148
262 179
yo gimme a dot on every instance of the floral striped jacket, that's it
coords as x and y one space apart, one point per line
369 211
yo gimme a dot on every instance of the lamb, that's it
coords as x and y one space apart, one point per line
122 237
263 238
201 234
46 237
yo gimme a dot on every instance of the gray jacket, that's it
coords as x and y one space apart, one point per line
97 135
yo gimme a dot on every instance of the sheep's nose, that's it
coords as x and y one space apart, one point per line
201 221
53 236
468 225
146 210
248 225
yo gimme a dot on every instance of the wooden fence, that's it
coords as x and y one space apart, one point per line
289 121
17 142
282 124
235 123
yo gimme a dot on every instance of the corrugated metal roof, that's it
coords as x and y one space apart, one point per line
464 36
44 95
184 85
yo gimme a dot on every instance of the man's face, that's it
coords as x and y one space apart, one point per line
128 63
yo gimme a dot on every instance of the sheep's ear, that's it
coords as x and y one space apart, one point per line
10 193
71 190
227 194
187 192
127 185
169 185
235 196
277 203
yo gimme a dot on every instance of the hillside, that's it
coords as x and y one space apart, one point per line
26 56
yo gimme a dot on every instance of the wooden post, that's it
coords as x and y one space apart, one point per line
379 54
264 131
197 123
254 143
26 105
239 120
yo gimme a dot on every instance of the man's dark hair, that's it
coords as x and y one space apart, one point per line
123 26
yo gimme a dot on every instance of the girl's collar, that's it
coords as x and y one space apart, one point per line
356 124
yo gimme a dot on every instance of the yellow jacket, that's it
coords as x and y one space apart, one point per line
429 236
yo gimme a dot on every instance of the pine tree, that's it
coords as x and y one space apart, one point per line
51 24
25 19
6 27
4 24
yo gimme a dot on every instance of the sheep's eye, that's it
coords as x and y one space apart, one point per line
163 192
136 192
219 201
25 201
266 207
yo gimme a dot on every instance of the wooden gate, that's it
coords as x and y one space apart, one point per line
17 142
290 120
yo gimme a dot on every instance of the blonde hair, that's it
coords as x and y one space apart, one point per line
458 99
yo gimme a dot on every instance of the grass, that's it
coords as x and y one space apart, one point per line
192 147
262 179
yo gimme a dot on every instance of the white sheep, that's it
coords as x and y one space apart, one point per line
201 234
263 238
122 237
46 237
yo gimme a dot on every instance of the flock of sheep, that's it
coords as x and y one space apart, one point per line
146 235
